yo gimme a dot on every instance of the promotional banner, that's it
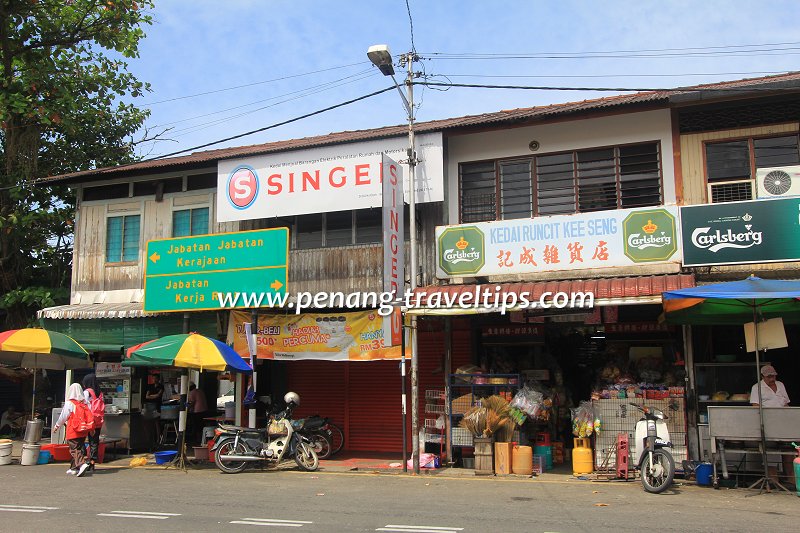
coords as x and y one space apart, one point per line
323 179
352 336
759 231
605 239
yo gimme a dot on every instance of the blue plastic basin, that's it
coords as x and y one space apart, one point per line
165 456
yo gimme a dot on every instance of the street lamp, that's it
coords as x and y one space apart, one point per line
380 56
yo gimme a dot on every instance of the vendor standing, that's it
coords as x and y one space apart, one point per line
152 400
773 393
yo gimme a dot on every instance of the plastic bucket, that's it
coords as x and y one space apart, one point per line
44 457
5 452
703 473
30 454
33 431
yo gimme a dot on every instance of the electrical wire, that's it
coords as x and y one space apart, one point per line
411 24
215 91
323 86
556 76
199 127
738 53
265 128
693 88
705 49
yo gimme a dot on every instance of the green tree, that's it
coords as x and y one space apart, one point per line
64 107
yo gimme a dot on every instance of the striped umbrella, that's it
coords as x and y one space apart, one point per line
41 348
187 350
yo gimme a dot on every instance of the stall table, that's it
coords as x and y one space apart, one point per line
741 423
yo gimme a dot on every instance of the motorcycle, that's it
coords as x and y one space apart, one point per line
235 447
656 465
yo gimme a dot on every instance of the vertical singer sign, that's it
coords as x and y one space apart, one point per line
393 245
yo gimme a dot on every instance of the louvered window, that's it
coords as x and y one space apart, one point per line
573 182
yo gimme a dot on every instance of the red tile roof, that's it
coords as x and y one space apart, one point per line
603 288
521 115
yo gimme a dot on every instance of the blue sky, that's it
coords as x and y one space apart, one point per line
315 51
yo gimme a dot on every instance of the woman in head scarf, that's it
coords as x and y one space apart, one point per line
96 403
75 438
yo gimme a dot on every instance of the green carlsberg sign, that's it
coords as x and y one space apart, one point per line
461 250
650 236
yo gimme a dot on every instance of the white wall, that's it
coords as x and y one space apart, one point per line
560 137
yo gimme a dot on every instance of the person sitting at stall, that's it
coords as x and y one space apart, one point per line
11 422
773 393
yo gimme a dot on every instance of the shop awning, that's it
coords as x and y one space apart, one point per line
89 311
607 291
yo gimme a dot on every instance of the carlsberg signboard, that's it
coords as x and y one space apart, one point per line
604 239
760 231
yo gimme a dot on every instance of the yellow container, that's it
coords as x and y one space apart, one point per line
582 457
522 460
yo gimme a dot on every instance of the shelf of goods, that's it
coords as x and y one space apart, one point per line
618 416
467 389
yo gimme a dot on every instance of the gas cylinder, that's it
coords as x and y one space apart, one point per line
582 457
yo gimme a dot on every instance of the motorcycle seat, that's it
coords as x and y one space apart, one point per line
241 429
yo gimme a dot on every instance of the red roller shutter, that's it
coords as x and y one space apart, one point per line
321 386
363 398
375 417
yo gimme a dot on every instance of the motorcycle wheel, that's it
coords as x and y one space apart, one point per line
336 437
306 458
226 448
321 445
659 478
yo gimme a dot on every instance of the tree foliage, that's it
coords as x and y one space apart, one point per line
64 107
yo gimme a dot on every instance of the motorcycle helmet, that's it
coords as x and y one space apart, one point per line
292 397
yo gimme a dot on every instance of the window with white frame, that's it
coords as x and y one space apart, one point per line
731 165
187 222
122 239
580 181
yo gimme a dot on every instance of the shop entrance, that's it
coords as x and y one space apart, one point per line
605 358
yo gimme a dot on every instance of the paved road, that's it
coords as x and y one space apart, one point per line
44 498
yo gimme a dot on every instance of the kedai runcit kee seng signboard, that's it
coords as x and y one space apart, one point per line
759 231
188 273
604 239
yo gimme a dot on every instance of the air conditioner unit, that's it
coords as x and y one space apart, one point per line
730 191
778 182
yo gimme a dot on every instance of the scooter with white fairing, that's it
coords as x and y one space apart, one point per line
655 462
235 447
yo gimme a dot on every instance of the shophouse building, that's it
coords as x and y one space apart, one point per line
555 193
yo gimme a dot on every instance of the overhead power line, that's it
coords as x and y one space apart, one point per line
703 49
693 88
556 76
282 78
271 126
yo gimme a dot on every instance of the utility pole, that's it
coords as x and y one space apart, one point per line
409 59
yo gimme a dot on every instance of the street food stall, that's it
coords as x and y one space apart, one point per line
741 424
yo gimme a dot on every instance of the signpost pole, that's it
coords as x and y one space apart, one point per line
253 361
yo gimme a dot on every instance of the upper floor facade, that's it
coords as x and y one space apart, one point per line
646 149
